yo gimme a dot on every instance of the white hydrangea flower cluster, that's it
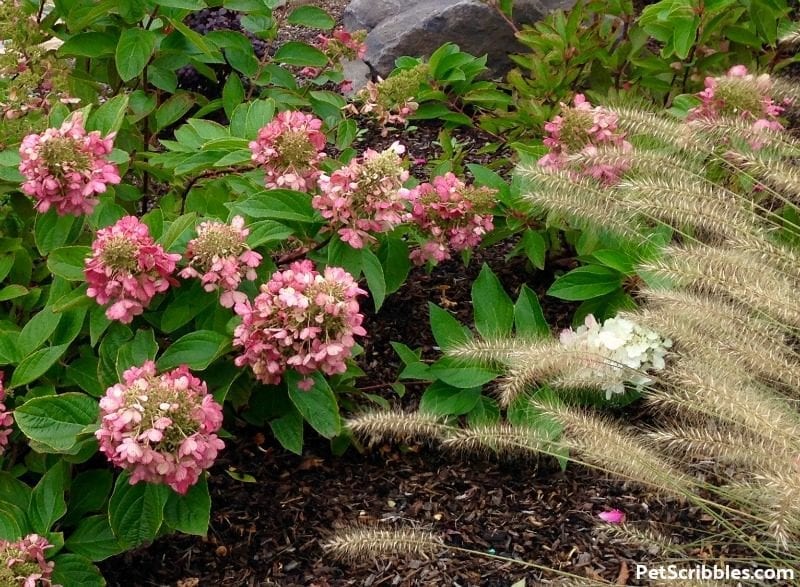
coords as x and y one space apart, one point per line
629 350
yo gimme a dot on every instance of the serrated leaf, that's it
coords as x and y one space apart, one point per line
232 94
196 349
585 283
90 44
485 412
35 365
444 400
529 320
278 205
459 375
51 231
135 512
93 539
267 231
373 271
134 48
288 430
73 569
190 513
189 301
405 353
396 264
88 492
535 248
176 229
14 491
447 331
318 405
11 517
312 17
47 499
56 420
300 54
37 331
142 348
494 310
173 109
108 118
68 262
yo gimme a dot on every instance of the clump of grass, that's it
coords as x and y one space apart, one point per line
726 403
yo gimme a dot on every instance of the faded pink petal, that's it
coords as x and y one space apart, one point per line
25 560
221 258
581 129
612 516
451 215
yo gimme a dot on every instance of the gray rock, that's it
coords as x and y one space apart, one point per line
367 14
419 27
357 72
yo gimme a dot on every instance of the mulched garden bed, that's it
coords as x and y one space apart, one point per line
268 531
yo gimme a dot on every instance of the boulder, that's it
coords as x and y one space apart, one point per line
419 27
367 14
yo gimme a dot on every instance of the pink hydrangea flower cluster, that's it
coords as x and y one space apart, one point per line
393 100
385 111
23 564
127 269
366 196
65 168
453 215
301 320
6 418
583 128
341 45
740 93
220 257
289 149
160 427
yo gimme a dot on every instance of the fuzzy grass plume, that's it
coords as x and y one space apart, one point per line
607 446
501 439
394 425
358 543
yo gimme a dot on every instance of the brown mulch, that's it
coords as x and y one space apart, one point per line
270 530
